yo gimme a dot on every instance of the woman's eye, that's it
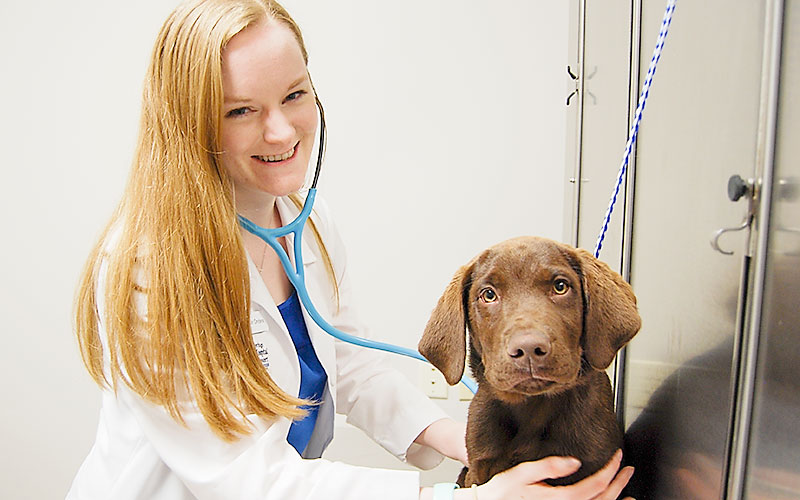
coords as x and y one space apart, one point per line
488 295
236 112
295 95
560 286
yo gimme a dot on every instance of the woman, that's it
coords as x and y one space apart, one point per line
179 311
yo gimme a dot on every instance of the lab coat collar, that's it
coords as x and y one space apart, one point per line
258 290
288 211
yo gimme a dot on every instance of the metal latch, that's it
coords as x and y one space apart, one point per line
737 188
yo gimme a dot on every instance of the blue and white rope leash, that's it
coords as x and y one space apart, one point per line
651 71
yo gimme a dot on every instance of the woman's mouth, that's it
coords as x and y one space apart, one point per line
276 158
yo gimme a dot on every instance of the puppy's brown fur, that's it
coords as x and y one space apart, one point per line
544 321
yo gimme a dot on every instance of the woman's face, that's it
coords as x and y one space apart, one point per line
269 114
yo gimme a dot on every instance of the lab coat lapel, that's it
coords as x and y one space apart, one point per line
271 336
282 363
288 213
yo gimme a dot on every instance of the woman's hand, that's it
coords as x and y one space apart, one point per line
448 437
525 481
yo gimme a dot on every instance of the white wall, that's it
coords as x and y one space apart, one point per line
446 134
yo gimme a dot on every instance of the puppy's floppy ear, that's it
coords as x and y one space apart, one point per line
611 316
444 340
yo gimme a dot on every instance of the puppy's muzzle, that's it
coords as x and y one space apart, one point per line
529 350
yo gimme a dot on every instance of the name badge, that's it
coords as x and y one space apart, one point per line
258 323
259 328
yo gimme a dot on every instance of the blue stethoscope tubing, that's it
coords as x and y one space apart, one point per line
296 273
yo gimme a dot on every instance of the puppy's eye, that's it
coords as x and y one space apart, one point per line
561 286
488 295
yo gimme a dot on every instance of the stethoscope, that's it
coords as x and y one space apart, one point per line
296 273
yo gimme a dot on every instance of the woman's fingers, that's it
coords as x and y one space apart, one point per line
526 480
546 468
599 485
617 485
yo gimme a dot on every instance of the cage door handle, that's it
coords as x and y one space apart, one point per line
737 189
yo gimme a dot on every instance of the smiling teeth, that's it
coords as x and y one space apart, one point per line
272 158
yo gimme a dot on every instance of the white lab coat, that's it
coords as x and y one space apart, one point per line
142 453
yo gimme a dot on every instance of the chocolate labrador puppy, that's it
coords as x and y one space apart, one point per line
544 320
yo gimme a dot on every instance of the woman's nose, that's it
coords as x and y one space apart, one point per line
277 127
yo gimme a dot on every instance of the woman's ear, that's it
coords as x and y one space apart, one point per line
445 338
611 316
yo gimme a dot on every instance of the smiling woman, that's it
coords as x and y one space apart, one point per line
267 131
270 117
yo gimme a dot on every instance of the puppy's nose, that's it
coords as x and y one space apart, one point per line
533 346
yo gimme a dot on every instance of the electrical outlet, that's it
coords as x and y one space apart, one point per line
433 383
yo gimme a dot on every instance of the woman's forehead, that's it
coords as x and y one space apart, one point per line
263 55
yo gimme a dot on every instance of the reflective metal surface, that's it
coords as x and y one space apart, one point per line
773 464
701 128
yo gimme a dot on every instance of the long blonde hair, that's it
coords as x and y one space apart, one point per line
177 245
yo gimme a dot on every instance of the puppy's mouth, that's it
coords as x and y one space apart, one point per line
531 384
534 386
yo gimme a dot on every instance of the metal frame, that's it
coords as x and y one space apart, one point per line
746 376
627 225
630 182
576 180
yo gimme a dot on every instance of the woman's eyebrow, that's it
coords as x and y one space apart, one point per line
299 80
233 98
244 100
